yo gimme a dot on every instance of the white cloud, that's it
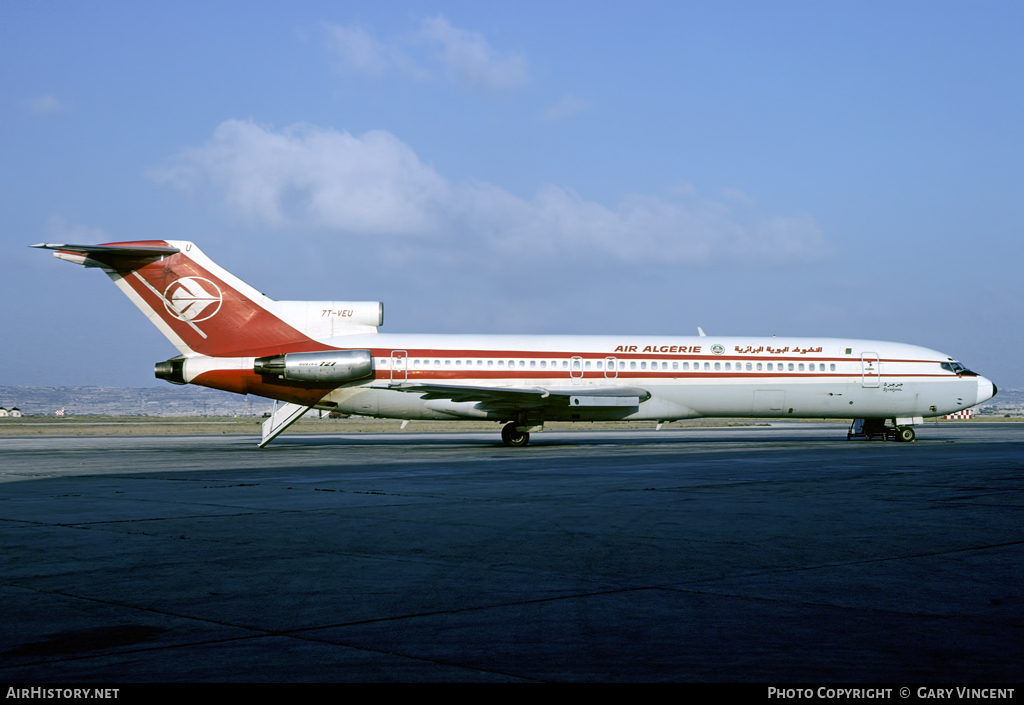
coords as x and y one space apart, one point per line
472 59
567 106
60 231
358 49
303 175
437 47
46 105
375 186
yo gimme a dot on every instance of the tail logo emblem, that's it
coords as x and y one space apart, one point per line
193 299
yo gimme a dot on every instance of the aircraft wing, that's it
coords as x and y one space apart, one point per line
519 398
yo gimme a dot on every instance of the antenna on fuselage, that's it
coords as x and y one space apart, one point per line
702 334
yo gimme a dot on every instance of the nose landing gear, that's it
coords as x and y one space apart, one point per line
905 434
871 429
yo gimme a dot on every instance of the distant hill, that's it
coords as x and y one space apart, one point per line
168 400
1006 401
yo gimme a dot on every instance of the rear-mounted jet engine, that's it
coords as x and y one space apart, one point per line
333 366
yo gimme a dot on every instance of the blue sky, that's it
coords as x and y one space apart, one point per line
848 169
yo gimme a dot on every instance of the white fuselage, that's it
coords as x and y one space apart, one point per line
329 355
686 377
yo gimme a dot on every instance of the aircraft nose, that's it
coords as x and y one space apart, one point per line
986 390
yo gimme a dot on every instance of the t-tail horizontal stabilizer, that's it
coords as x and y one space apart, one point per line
283 416
202 308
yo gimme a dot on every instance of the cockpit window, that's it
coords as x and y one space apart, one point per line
955 367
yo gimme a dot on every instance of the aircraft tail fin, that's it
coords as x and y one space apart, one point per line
202 308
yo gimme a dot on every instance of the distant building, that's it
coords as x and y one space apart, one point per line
15 413
3 413
964 414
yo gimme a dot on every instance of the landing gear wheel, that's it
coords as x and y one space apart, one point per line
905 434
511 437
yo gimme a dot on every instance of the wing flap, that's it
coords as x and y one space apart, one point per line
527 397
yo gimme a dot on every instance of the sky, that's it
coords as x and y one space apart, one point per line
790 168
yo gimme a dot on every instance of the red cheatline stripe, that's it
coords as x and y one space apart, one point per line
386 374
661 357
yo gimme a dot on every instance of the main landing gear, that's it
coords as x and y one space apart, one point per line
513 438
872 429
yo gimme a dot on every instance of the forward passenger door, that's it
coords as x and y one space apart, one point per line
871 370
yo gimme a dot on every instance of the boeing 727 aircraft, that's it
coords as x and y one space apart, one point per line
328 355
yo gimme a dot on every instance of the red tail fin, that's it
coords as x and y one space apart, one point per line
198 305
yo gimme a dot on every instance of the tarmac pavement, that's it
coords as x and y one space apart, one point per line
768 554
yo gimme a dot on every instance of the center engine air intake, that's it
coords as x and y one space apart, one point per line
332 366
172 370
